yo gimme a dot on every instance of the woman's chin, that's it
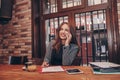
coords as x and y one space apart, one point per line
63 38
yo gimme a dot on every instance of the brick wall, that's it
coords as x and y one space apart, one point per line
15 37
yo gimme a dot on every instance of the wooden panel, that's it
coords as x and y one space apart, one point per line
87 54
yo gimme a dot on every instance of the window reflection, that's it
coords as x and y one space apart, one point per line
91 18
70 3
49 6
95 2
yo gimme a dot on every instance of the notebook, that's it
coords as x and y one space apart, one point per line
105 67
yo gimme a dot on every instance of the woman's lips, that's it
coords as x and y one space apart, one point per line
63 35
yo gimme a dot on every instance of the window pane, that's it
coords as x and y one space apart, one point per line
49 6
70 3
104 1
88 21
64 4
96 2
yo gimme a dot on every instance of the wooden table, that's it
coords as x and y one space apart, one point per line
15 72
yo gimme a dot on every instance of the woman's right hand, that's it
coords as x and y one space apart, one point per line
45 64
69 37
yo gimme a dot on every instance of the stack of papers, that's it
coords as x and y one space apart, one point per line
104 64
105 68
52 69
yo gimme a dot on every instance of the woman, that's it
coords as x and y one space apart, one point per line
63 50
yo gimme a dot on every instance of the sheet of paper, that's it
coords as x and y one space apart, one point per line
52 69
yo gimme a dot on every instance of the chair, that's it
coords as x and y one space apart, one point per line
1 59
17 59
77 61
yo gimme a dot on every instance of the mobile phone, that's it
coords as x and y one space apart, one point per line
73 71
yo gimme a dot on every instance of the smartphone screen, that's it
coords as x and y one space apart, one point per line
73 71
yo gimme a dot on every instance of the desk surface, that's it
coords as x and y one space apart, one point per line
15 72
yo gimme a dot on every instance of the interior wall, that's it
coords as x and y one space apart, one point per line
15 37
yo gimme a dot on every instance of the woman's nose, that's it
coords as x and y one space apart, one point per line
63 31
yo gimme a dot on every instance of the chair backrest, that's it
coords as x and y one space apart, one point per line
1 59
77 61
17 59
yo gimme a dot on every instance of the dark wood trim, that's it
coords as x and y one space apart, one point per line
47 16
35 29
32 16
113 32
115 55
109 33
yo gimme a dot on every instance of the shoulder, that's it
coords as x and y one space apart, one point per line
51 42
73 45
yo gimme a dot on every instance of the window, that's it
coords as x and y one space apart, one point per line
70 3
96 2
92 20
50 6
91 32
